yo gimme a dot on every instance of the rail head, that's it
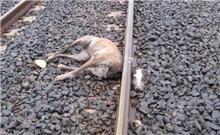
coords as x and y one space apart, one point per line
123 109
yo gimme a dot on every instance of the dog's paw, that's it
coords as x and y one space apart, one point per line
60 77
64 67
64 76
50 56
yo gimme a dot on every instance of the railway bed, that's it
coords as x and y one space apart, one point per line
175 42
31 103
178 44
6 5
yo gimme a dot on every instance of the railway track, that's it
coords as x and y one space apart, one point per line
176 43
14 13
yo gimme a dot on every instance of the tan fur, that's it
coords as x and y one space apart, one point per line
102 55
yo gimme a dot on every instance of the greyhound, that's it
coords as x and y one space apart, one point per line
101 56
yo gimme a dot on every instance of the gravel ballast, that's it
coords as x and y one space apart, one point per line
6 5
30 102
178 43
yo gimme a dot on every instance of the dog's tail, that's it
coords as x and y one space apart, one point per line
82 41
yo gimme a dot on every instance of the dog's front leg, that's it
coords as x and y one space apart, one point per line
65 76
61 66
82 56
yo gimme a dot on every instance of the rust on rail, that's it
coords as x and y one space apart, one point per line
15 13
123 109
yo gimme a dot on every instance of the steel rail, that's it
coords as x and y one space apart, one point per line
15 13
123 109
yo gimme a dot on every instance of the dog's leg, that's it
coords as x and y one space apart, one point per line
82 56
61 66
88 64
64 67
83 41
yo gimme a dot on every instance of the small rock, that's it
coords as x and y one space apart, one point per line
6 112
166 119
87 77
88 82
19 63
66 114
90 110
201 109
169 127
190 78
143 107
133 94
82 102
217 106
197 125
49 86
57 127
4 120
177 121
66 109
212 125
54 94
26 124
28 133
159 118
47 131
76 88
65 92
215 114
210 80
180 67
195 93
25 84
41 63
13 54
73 118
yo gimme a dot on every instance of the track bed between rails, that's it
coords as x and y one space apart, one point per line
178 42
30 103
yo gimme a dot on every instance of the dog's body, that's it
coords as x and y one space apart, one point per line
102 56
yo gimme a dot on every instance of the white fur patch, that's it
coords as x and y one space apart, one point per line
94 39
138 79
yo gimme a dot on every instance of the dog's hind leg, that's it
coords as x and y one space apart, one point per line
61 66
90 63
82 41
81 57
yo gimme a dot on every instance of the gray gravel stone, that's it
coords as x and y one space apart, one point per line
6 112
197 125
143 107
215 114
169 127
212 125
6 5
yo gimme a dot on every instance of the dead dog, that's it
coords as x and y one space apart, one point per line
101 56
